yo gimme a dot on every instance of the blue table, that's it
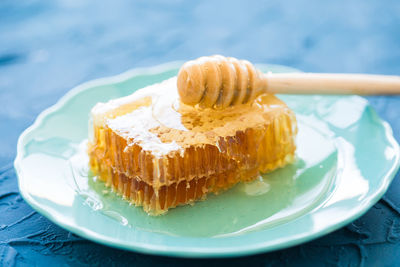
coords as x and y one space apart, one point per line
48 47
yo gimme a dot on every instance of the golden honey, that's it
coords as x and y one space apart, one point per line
159 154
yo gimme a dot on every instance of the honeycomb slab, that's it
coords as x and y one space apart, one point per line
159 153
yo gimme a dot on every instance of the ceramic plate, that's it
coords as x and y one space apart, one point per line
346 159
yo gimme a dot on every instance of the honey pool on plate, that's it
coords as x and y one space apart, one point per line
286 193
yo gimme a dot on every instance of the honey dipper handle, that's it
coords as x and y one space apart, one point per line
320 83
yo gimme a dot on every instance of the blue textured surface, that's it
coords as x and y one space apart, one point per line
48 47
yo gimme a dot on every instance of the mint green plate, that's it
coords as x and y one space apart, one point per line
346 159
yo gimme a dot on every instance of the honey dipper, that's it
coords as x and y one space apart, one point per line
219 82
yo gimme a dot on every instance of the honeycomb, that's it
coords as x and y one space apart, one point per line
157 200
159 154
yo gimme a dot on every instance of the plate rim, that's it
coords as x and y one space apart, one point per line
174 251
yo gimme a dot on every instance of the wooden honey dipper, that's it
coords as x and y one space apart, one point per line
219 82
